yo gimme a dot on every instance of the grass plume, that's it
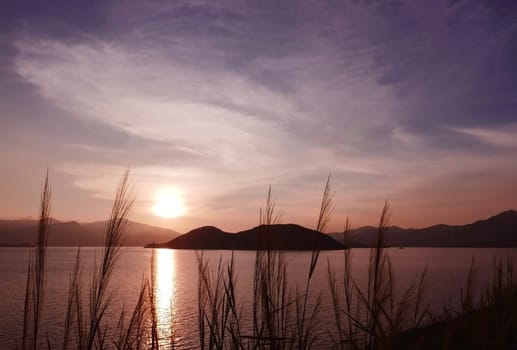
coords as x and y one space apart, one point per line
270 290
306 320
99 299
35 285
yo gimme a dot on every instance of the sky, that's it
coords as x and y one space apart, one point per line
414 102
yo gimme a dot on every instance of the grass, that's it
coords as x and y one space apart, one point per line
35 286
370 317
491 323
373 315
272 298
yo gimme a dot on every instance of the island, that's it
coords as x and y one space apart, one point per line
272 237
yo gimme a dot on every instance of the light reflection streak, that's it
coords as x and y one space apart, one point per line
165 292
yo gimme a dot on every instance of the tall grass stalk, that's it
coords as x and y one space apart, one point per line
346 316
35 285
83 326
269 215
270 290
132 335
467 294
504 282
379 282
99 299
306 320
218 314
370 317
73 315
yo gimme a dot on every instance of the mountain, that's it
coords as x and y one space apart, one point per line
71 233
497 231
275 237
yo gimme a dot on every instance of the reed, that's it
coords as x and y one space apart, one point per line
346 314
73 310
132 335
271 295
36 278
83 324
219 315
306 320
99 298
370 317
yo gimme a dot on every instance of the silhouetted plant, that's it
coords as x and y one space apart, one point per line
35 286
85 322
219 315
99 299
369 318
306 320
74 310
133 335
271 297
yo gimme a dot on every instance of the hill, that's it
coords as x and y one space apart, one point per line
72 233
497 231
274 237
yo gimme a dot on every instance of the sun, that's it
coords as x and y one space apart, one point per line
168 204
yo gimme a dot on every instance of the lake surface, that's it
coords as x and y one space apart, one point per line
177 277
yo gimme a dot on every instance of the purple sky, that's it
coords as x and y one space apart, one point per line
410 101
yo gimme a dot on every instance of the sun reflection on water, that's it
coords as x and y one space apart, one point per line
165 292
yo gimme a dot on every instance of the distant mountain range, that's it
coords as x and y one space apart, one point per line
275 237
497 231
71 233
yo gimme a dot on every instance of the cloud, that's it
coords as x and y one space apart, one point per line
225 98
210 111
215 114
499 137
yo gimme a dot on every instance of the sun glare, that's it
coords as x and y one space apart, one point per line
168 204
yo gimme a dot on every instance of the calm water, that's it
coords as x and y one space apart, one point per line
177 281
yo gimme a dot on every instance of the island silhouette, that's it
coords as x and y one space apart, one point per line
263 237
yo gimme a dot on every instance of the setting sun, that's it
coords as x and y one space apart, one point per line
168 204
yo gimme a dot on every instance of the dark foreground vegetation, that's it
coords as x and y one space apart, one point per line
282 316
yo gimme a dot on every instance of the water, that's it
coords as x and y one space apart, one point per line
176 282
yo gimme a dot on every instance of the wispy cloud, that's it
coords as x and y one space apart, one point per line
500 137
146 95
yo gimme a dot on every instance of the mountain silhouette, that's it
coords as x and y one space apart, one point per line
274 237
497 231
72 233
